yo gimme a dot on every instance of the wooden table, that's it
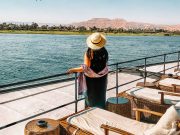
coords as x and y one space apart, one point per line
119 105
51 128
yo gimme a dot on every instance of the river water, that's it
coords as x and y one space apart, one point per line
30 56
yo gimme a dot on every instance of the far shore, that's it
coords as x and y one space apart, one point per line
82 33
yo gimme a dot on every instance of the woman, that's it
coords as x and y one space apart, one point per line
95 70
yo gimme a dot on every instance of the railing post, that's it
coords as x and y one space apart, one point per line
178 60
76 98
145 72
164 70
117 80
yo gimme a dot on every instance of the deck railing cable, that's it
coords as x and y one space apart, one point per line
117 83
7 87
178 60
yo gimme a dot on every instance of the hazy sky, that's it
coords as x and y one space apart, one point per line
67 11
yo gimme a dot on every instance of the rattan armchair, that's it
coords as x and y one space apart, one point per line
171 87
145 103
70 129
163 84
138 111
108 128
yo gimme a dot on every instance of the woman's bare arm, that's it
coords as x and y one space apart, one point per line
80 69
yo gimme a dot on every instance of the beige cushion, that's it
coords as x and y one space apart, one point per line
152 95
169 81
92 119
178 74
177 106
166 124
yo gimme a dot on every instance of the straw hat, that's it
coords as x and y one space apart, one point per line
96 41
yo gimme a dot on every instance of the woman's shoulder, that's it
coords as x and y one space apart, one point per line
105 50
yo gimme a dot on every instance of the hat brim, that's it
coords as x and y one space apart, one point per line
96 46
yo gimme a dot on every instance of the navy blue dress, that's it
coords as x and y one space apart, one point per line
96 87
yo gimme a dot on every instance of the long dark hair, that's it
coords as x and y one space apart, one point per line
90 53
98 58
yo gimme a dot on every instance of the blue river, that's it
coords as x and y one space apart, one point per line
30 56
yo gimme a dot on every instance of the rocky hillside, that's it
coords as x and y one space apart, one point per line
121 23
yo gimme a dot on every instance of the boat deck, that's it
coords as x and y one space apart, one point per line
18 105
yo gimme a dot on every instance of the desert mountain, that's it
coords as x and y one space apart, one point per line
121 23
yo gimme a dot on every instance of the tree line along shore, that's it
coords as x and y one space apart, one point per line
34 28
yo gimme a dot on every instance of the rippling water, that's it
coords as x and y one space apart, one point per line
24 57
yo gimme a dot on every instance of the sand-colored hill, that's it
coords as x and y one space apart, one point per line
121 23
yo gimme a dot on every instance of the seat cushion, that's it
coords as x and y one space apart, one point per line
93 118
152 95
169 81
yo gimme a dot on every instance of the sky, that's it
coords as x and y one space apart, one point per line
70 11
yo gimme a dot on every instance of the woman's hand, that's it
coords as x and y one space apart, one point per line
74 70
70 71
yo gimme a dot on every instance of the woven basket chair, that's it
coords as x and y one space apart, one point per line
69 129
147 104
156 84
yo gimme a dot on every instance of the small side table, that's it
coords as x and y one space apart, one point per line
119 105
42 127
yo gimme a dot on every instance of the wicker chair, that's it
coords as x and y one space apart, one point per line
108 128
145 103
138 112
69 129
164 84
